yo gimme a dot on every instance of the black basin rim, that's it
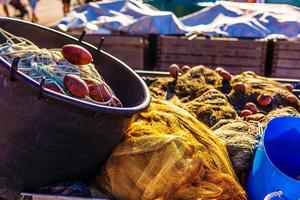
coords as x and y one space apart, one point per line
74 101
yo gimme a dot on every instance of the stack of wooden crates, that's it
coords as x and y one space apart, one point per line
286 59
235 55
129 49
282 60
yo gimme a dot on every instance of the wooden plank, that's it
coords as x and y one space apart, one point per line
134 65
247 67
210 60
289 64
125 53
122 48
116 40
288 54
183 41
219 51
286 73
232 69
288 45
238 70
129 49
286 61
132 59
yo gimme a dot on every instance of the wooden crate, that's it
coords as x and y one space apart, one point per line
234 55
286 59
129 49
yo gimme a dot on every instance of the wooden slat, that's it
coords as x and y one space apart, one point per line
232 69
129 49
286 61
286 73
238 70
237 55
288 45
289 64
211 51
167 64
182 41
210 60
120 48
115 40
288 54
128 54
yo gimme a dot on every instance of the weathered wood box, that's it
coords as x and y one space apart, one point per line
233 54
286 59
129 49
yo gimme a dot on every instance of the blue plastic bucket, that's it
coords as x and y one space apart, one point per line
277 162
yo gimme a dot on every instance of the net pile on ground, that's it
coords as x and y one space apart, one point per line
235 107
267 94
211 107
197 91
196 81
240 138
160 87
279 112
166 153
78 79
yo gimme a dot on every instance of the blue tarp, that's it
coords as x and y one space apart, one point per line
230 19
129 16
246 20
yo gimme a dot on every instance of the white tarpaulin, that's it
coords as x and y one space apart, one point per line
130 16
246 20
229 19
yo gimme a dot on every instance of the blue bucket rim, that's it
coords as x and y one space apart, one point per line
266 153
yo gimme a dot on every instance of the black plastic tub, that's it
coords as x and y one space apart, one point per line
55 137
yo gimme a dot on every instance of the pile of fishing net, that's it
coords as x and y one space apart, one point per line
196 81
166 153
162 88
197 91
237 107
267 94
210 107
280 112
240 138
68 71
189 86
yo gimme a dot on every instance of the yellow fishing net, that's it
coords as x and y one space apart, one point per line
166 154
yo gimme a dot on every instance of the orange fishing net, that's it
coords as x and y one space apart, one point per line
166 154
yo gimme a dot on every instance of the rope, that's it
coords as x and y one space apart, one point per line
273 194
38 63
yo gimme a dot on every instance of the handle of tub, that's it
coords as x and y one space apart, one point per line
14 68
274 194
81 36
100 43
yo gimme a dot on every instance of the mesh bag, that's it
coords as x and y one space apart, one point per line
196 81
189 86
41 63
168 154
211 107
159 87
240 139
287 111
256 85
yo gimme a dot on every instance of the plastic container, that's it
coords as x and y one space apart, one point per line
277 162
53 138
